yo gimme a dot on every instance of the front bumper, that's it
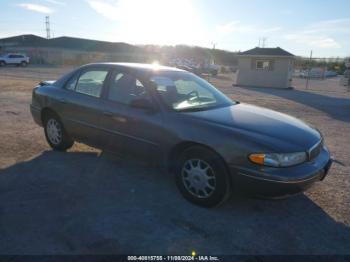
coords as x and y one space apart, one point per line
274 182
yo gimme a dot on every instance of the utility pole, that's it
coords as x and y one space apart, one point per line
212 53
308 72
262 42
212 58
47 23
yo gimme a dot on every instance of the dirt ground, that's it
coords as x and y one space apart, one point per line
88 202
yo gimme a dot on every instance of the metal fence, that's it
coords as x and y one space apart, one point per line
321 74
63 57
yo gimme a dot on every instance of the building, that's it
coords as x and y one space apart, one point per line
265 67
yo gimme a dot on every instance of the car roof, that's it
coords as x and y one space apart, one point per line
139 66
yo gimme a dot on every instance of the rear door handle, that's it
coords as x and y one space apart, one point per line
63 101
107 113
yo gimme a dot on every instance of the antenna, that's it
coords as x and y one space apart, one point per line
262 42
47 23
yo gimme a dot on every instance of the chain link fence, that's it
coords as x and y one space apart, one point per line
322 74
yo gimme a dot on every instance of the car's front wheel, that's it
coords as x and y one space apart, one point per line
24 63
202 178
55 133
2 63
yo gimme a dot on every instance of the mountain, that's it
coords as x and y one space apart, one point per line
87 45
67 43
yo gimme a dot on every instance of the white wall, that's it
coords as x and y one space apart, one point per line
278 76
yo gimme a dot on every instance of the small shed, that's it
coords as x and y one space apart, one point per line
265 67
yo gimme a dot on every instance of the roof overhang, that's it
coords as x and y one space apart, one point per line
267 56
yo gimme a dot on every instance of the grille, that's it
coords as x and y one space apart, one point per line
315 150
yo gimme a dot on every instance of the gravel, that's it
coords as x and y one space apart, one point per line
89 202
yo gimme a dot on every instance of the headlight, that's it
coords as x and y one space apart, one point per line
278 160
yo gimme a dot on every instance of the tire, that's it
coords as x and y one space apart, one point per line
202 178
24 63
55 134
2 63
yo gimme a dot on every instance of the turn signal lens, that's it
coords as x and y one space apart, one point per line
278 160
257 158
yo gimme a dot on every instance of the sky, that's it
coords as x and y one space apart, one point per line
297 26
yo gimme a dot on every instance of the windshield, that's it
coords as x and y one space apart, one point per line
182 91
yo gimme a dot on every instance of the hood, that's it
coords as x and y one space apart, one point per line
262 121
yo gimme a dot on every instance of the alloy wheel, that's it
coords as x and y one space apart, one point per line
198 178
54 131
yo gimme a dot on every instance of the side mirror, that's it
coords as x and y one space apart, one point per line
142 104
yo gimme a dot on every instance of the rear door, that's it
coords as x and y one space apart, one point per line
12 59
131 131
80 104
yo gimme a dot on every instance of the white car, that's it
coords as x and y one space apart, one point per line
14 59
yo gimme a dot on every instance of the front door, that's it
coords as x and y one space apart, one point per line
13 59
129 130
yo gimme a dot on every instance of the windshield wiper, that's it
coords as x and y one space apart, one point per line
191 109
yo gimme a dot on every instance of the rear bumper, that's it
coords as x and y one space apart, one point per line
36 114
274 182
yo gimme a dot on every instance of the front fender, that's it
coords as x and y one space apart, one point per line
233 144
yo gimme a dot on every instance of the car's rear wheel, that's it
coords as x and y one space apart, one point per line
55 133
2 63
202 178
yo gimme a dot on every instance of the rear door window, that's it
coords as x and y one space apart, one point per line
91 82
